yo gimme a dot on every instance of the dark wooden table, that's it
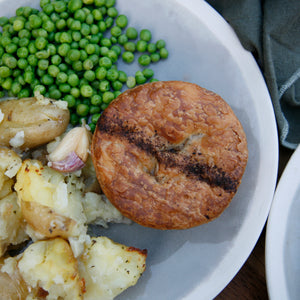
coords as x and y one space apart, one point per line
250 281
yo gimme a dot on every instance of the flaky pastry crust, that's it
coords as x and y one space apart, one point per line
169 155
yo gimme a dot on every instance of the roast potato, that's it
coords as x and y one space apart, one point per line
27 123
49 267
12 226
109 268
12 285
50 202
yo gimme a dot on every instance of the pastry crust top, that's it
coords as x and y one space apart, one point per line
169 155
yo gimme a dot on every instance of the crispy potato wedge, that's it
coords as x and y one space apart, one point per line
35 121
49 203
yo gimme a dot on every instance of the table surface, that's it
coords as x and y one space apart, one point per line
250 282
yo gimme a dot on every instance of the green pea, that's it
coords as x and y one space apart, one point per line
117 85
24 42
122 39
151 48
130 46
85 29
95 118
61 24
74 119
75 92
140 78
40 88
101 73
141 46
43 64
7 83
22 52
70 100
89 75
76 35
112 74
148 73
107 97
145 35
144 60
65 37
49 25
11 48
128 57
105 62
35 21
55 94
96 100
83 43
74 5
105 42
40 43
116 31
48 8
32 60
22 63
131 33
18 25
160 44
122 21
63 49
28 77
74 55
5 72
3 21
88 64
53 70
43 54
155 57
90 48
24 93
16 88
86 90
73 80
63 67
104 86
64 88
47 79
163 52
59 6
131 82
77 66
122 76
56 59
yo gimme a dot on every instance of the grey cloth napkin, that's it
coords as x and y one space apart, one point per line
270 29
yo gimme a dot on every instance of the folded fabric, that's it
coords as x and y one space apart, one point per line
270 29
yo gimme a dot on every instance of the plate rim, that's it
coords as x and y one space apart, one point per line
274 243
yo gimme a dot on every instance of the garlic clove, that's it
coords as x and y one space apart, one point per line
76 140
71 163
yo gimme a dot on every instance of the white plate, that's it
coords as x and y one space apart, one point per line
198 263
283 235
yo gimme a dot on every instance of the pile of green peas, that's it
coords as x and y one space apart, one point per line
69 50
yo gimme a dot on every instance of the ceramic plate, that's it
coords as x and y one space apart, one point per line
198 263
283 235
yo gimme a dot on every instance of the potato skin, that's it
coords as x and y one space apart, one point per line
45 221
41 122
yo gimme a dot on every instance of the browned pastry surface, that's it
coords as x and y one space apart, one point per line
169 155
